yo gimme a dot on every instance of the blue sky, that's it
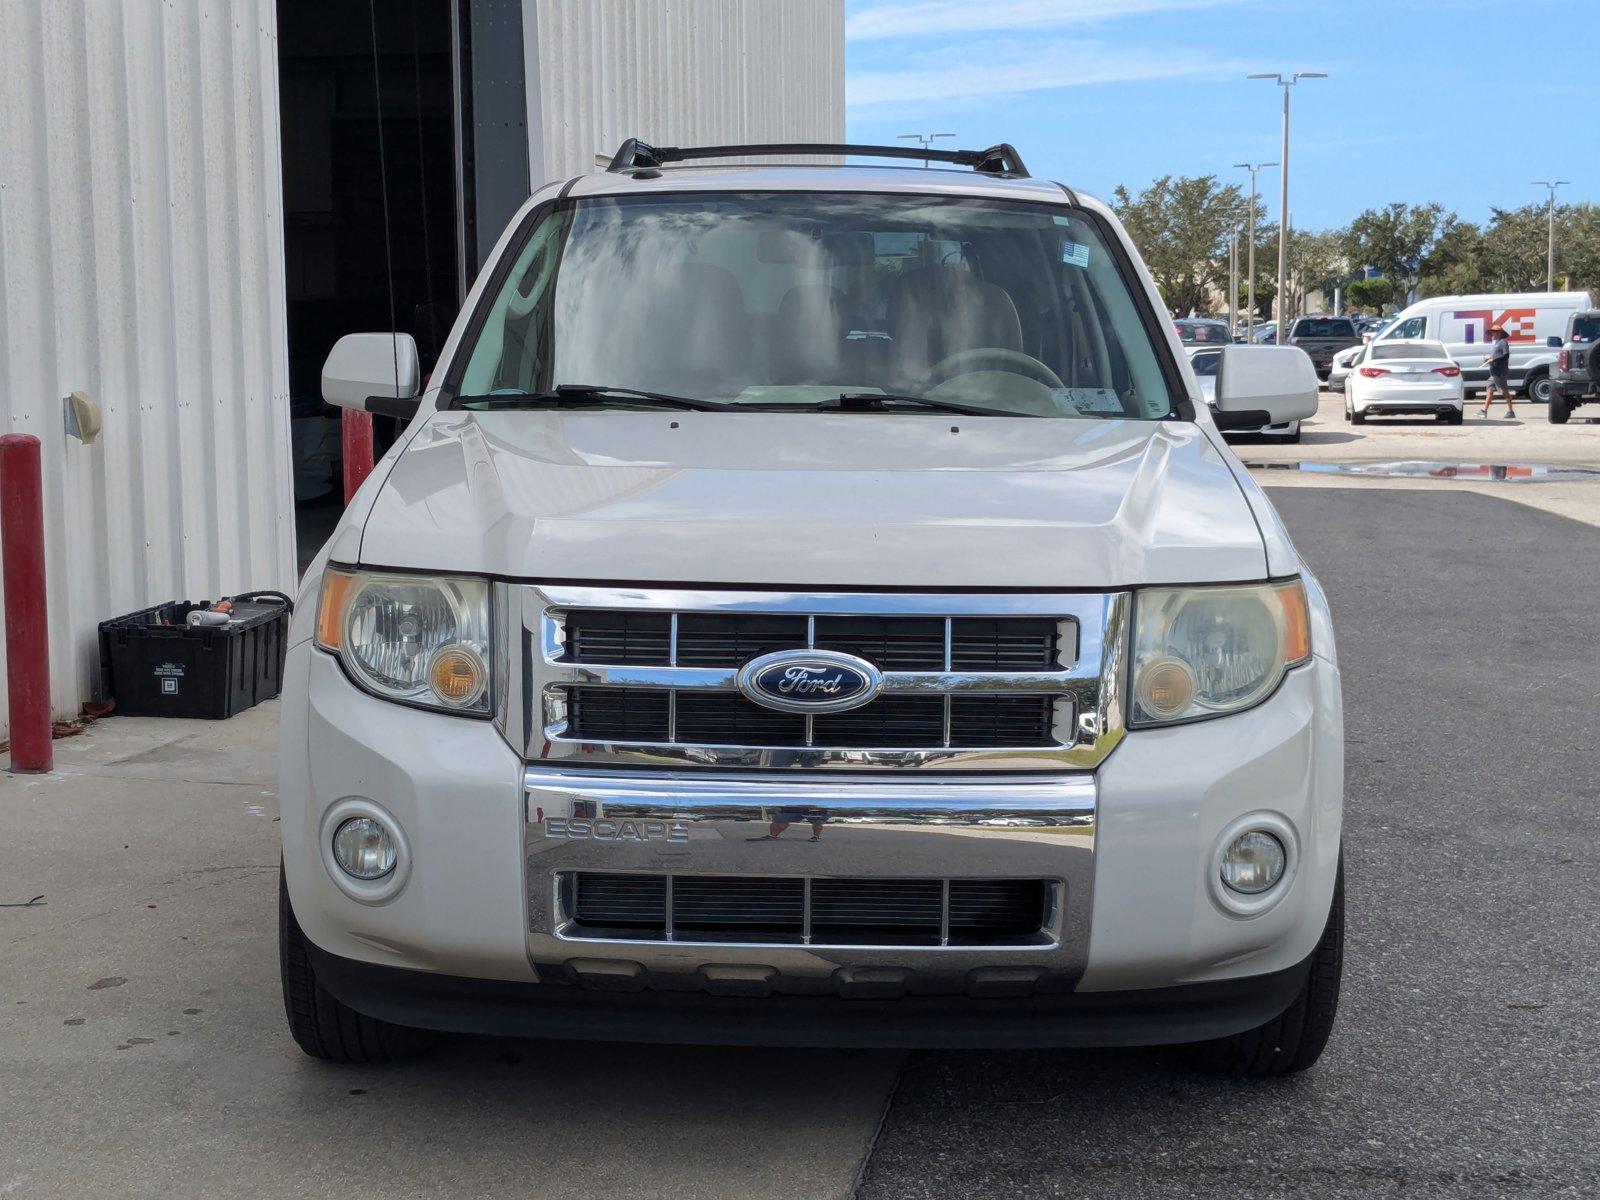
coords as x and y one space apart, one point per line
1448 100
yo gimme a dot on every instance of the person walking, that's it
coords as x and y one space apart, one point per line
1499 361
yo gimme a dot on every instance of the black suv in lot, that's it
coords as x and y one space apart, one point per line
1575 379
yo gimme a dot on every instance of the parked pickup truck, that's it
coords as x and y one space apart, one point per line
813 605
1322 338
1575 377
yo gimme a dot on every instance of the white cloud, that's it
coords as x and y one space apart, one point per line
1038 68
923 18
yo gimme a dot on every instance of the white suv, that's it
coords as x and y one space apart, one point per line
813 605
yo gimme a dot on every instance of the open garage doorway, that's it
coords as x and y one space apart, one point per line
369 185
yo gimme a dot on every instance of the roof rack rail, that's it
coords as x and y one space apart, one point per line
1002 159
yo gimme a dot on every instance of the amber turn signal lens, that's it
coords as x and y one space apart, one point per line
1296 622
457 675
1166 687
337 589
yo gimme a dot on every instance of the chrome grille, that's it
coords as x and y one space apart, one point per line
970 682
724 718
891 643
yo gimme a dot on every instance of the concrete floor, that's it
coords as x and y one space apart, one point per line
143 1050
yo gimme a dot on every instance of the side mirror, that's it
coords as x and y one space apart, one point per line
373 372
1264 385
1554 342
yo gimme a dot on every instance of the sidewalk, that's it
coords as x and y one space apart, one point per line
143 1050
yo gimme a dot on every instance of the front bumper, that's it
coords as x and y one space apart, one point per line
1145 1017
1131 846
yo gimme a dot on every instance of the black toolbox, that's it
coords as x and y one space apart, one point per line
154 664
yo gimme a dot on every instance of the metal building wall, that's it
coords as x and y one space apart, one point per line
141 260
677 72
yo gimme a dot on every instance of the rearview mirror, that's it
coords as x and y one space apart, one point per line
373 372
1264 385
1553 342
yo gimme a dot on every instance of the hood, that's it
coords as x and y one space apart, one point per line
853 500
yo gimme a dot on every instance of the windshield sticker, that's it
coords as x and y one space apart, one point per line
1075 254
1090 400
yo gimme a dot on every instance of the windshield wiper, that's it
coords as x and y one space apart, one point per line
885 402
587 393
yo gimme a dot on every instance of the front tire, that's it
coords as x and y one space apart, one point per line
1540 388
322 1025
1294 1039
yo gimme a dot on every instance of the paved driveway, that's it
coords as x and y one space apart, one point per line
1466 1060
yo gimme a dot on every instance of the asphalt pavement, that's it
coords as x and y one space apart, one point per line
1466 1058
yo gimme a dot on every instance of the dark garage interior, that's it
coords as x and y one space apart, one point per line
370 220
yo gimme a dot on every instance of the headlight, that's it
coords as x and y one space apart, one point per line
1206 651
417 638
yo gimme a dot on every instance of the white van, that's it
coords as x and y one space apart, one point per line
1462 323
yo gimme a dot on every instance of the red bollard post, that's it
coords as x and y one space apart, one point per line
355 434
27 627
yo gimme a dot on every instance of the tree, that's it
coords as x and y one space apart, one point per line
1578 246
1513 249
1370 293
1317 263
1396 239
1455 264
1266 267
1181 226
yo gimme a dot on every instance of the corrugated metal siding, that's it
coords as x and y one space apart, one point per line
685 72
141 260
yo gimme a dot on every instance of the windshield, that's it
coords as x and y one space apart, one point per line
1202 333
1323 327
791 300
1409 350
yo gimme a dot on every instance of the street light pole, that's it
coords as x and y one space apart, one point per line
925 140
1250 316
1550 252
1233 284
1283 201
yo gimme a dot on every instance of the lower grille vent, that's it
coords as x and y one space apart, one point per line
726 908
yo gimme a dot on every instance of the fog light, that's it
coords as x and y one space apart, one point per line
1253 862
364 848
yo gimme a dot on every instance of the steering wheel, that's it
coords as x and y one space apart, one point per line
993 358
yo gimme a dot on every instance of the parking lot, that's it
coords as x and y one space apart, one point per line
143 1050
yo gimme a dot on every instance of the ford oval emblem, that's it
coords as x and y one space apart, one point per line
810 681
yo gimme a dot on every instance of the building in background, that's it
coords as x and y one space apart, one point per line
197 199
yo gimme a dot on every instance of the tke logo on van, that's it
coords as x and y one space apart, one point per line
603 829
810 681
